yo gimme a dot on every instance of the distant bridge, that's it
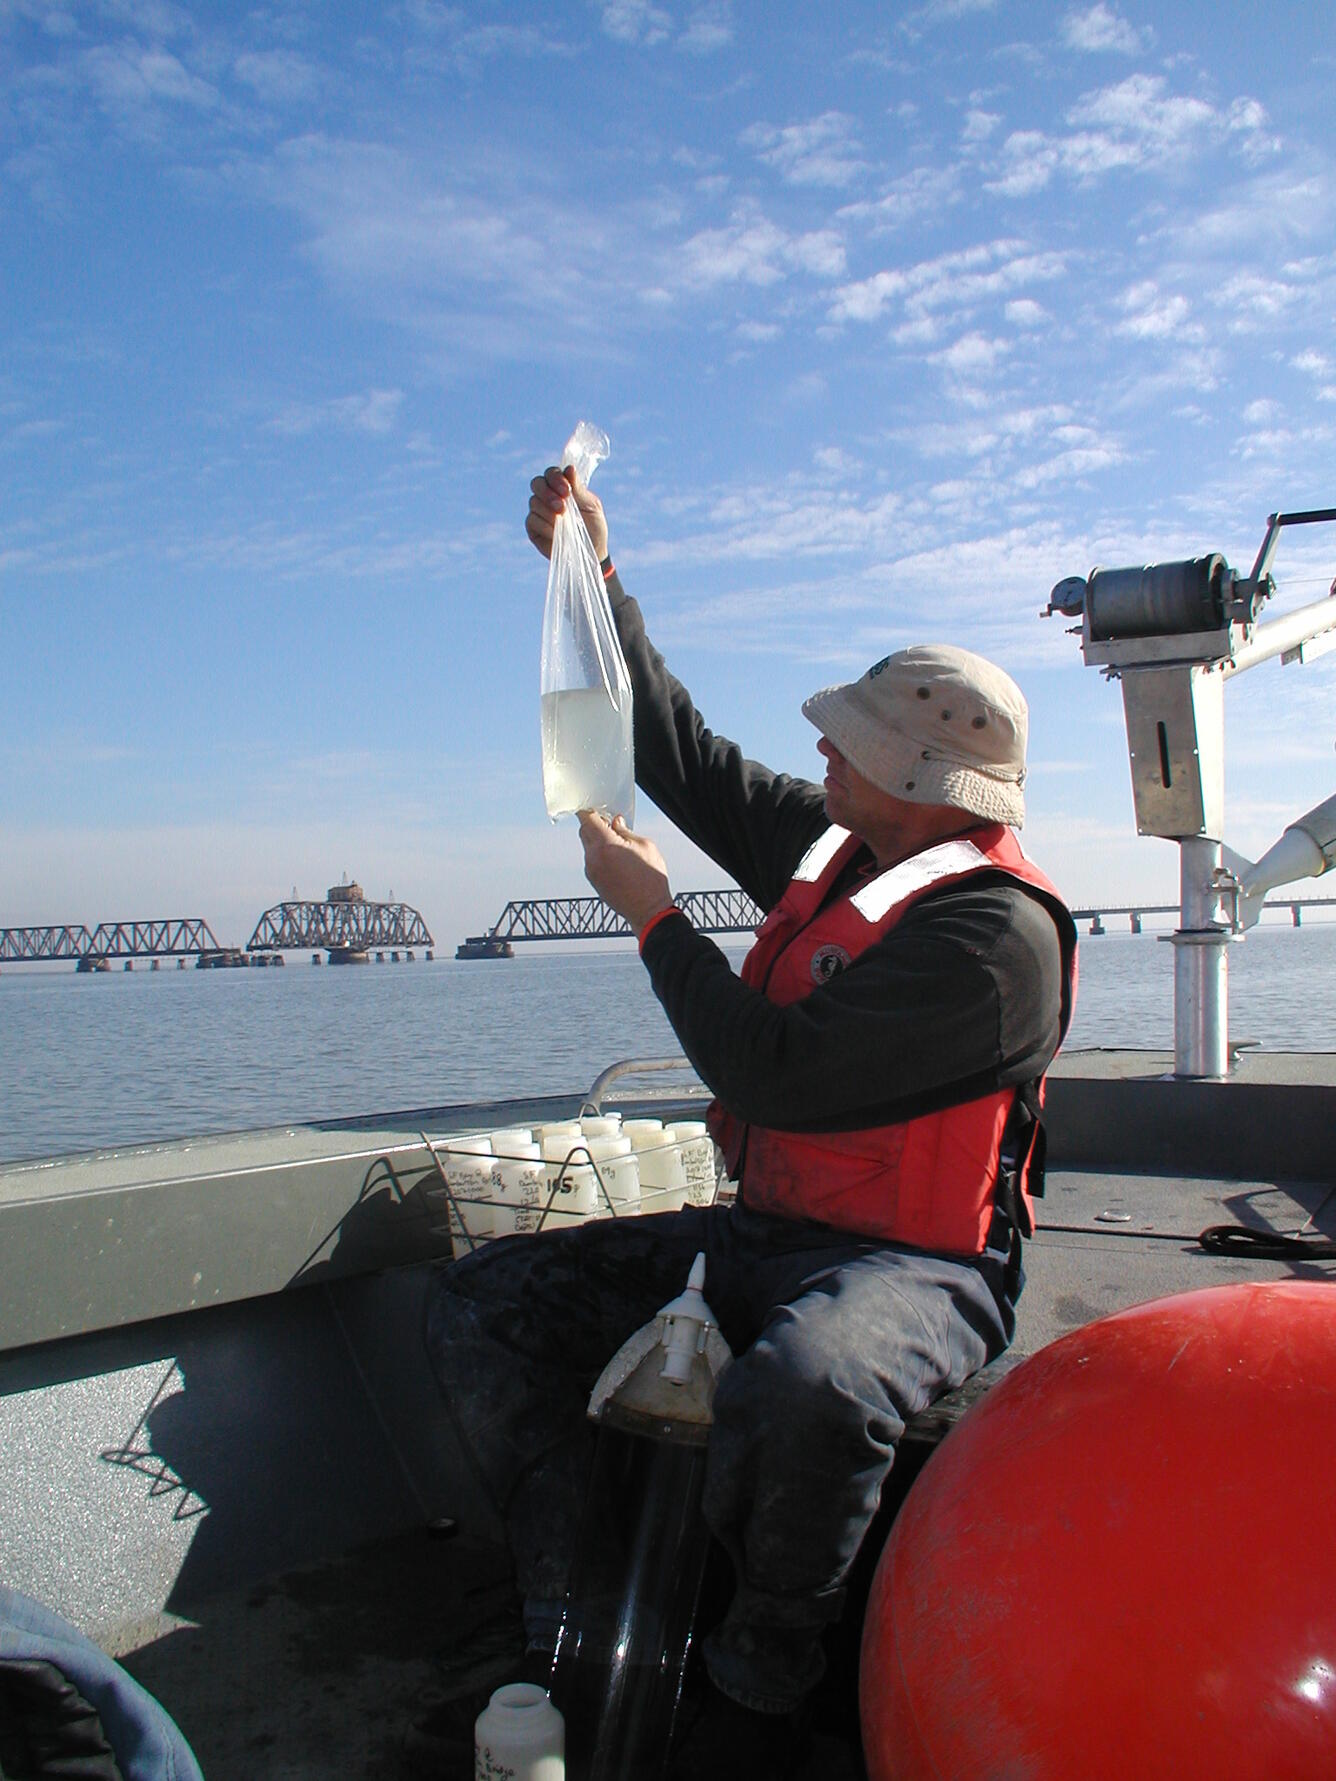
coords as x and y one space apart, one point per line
734 912
172 937
1135 912
345 925
589 918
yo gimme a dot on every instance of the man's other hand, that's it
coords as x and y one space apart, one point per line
626 870
547 501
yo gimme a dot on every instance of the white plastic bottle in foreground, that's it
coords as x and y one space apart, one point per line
663 1174
470 1170
616 1162
523 1190
698 1159
519 1736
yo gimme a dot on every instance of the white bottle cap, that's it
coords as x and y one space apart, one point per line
603 1149
643 1132
601 1125
505 1142
557 1146
559 1128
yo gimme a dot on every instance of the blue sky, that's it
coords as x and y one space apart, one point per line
894 316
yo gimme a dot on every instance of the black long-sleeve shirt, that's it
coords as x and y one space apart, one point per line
962 997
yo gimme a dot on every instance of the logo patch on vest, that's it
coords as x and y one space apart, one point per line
827 961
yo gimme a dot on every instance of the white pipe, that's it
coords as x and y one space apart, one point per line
1283 633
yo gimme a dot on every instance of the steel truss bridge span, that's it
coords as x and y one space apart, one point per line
589 918
734 912
338 927
172 937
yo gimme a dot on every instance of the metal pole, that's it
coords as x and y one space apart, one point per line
1201 965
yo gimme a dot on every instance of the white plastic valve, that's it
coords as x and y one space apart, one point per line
685 1322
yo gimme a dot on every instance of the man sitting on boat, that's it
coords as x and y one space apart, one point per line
877 1071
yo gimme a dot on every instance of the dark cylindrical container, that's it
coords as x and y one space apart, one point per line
635 1581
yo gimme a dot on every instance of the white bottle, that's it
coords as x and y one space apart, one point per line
663 1173
620 1173
571 1187
522 1189
519 1736
698 1159
470 1173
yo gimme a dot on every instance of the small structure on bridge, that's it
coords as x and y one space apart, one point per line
347 926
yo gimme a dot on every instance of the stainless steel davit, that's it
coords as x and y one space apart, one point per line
1174 633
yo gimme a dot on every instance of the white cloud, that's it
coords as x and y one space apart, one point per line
1029 161
866 300
373 411
821 152
821 253
1150 314
753 250
1024 312
972 353
279 76
709 28
1144 113
636 21
924 191
942 12
1137 124
1068 466
131 82
953 282
979 125
1100 28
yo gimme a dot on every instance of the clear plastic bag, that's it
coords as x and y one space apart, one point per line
588 754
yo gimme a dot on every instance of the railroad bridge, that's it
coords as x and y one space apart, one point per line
733 912
92 948
346 925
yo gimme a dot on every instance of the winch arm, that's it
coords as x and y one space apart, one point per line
1307 849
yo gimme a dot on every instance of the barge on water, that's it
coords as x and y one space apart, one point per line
484 946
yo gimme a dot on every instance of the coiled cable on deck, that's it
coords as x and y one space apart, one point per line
1238 1239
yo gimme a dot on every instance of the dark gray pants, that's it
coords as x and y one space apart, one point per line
837 1341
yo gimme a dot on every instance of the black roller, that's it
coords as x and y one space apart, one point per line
1161 599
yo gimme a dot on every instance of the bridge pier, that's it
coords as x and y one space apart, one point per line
1297 914
1134 916
1096 925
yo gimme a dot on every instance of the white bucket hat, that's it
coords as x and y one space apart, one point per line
933 725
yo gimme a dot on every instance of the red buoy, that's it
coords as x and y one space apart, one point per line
1123 1562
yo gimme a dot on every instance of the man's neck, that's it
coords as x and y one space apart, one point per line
937 823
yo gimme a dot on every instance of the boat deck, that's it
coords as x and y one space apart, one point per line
225 1455
322 1670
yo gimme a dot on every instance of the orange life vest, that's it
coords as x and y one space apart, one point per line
928 1181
